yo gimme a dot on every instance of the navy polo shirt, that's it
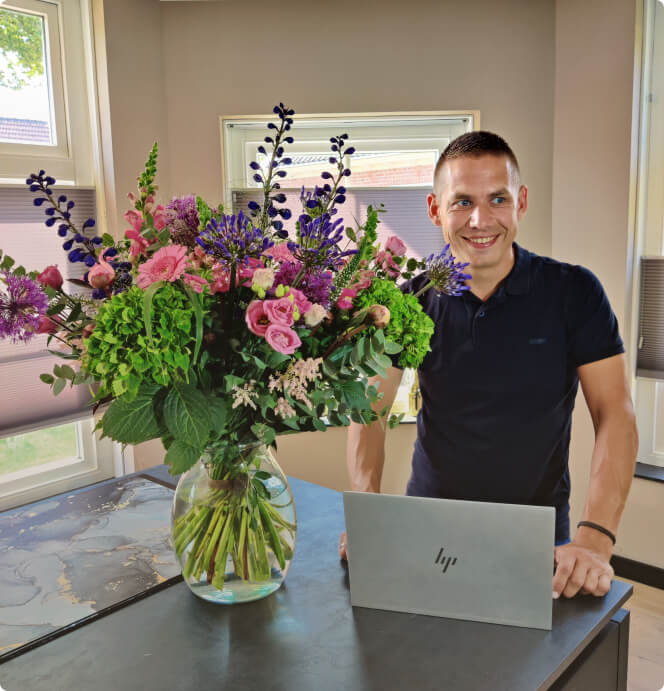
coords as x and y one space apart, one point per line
499 384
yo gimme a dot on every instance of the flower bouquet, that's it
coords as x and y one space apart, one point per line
216 332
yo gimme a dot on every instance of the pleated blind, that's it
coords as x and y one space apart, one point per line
25 401
406 214
650 352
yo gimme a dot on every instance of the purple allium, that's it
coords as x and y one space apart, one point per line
183 220
314 283
445 274
233 240
319 240
22 303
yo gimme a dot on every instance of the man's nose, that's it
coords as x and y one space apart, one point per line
480 217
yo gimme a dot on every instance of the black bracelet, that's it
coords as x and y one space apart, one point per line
590 524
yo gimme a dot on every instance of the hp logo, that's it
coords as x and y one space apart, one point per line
445 562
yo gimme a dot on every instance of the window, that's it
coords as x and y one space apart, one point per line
649 392
394 163
44 99
47 443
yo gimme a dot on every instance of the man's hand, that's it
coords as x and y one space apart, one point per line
342 547
582 569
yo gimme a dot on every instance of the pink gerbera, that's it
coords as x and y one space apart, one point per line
167 264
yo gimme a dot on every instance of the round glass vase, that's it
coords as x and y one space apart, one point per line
233 527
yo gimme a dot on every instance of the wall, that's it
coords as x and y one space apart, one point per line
592 209
136 114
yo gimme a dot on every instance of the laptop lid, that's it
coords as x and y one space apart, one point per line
478 561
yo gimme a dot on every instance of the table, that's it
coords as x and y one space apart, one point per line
307 636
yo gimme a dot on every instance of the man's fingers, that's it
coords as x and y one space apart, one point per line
342 547
564 568
604 585
577 580
592 581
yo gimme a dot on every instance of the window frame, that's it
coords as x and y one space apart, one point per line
69 49
648 394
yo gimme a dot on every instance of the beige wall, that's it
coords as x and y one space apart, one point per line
592 162
138 114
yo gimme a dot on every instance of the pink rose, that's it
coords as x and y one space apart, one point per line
195 282
101 275
166 264
395 246
47 325
256 318
301 301
280 311
379 315
282 339
345 301
280 253
386 262
51 277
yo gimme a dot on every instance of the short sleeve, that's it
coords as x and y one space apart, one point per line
592 327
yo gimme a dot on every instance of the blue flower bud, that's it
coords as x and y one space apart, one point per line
74 255
28 181
268 140
98 294
271 212
254 206
350 150
33 188
50 180
341 190
334 147
279 198
289 140
346 172
97 241
70 204
254 166
42 173
62 231
277 225
111 252
279 152
38 201
78 237
50 221
89 223
326 175
312 204
286 161
277 110
261 149
287 126
344 136
66 215
285 214
50 211
67 245
89 260
258 178
340 199
62 199
271 126
281 173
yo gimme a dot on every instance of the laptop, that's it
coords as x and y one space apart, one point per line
477 561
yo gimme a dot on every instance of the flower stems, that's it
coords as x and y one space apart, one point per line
243 526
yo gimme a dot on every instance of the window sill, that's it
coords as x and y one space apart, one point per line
649 472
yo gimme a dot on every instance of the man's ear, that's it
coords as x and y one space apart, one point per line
522 203
432 204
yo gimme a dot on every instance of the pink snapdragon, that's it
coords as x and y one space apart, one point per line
386 261
345 301
198 283
283 339
167 264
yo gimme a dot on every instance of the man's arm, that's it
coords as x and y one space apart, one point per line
584 563
365 444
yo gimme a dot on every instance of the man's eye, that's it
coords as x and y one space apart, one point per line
499 200
463 202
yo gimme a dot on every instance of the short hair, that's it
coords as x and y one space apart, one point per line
475 144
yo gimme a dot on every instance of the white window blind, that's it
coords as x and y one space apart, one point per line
406 214
650 349
25 401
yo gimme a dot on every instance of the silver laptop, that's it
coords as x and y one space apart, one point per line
470 560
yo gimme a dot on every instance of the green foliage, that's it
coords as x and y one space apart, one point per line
187 415
146 179
408 326
21 44
132 420
119 353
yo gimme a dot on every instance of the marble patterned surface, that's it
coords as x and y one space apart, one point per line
75 555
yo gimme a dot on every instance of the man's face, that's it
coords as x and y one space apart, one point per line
478 203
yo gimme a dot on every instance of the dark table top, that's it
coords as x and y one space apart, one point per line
305 636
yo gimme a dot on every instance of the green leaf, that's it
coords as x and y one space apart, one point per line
275 359
392 348
187 414
133 422
353 393
148 297
181 456
64 371
319 424
198 313
383 360
231 380
350 234
7 263
218 412
378 341
107 240
47 378
58 386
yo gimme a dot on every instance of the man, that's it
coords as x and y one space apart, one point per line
499 384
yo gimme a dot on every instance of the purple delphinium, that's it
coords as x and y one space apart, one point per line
319 240
446 275
314 283
233 240
22 303
183 220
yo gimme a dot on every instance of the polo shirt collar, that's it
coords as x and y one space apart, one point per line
517 281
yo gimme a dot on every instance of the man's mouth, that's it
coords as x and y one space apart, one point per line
482 242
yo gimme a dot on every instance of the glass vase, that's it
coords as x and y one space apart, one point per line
233 526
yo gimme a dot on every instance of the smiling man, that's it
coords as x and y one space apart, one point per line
499 385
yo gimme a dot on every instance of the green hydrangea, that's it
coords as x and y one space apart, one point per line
118 352
409 326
